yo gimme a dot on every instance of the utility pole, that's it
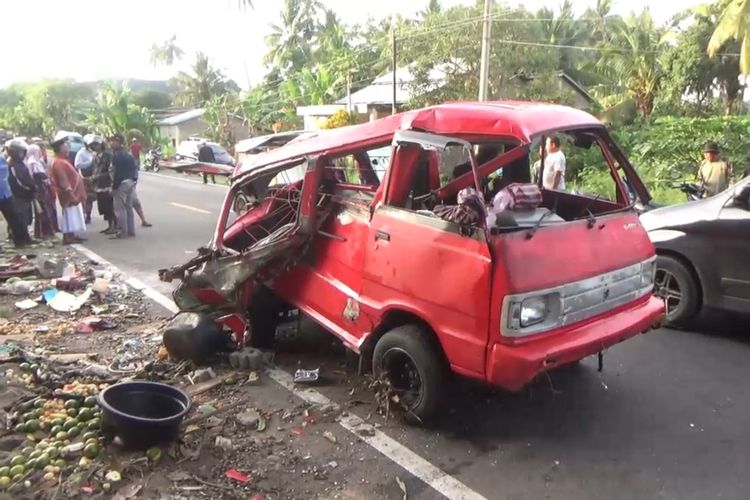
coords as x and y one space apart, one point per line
393 63
349 91
484 69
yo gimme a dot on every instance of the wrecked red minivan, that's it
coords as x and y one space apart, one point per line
420 241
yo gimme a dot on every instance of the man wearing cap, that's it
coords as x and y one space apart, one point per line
70 191
123 187
714 173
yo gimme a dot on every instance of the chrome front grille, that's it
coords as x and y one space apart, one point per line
587 298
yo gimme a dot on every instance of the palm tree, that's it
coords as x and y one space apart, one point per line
290 42
630 60
734 24
203 84
166 53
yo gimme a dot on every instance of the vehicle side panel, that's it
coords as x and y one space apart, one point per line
436 274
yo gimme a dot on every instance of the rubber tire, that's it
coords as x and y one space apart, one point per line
690 303
429 363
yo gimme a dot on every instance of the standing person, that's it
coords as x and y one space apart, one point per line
70 191
713 173
85 164
206 155
21 182
123 187
135 150
137 206
44 203
18 232
553 176
102 181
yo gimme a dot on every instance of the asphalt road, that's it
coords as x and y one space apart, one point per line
666 419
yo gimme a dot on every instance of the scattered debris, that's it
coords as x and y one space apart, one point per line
223 443
329 436
402 485
249 418
237 476
306 376
201 375
253 377
248 358
26 304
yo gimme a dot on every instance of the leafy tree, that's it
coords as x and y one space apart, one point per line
259 110
631 63
291 41
114 111
202 84
152 99
734 24
220 112
166 53
690 70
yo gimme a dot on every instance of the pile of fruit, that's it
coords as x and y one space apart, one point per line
62 433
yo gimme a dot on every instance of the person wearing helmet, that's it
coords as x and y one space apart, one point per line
70 191
16 230
21 182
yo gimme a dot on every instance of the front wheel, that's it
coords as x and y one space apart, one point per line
680 290
414 370
155 166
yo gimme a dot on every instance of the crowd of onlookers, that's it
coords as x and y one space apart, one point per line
31 185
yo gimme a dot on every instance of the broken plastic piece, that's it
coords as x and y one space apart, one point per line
237 476
306 376
26 304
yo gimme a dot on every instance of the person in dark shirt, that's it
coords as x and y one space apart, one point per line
123 187
21 181
206 155
18 232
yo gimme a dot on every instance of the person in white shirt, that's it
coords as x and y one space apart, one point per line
554 166
84 158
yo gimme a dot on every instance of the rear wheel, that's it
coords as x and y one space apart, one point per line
413 367
676 285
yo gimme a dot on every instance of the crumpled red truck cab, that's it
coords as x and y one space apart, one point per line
367 230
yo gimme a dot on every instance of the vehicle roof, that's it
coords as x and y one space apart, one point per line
516 119
246 145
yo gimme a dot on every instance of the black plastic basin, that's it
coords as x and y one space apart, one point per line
142 414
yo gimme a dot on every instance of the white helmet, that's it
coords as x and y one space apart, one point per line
60 137
90 139
16 145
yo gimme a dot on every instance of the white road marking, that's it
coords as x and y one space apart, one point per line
430 474
175 178
188 207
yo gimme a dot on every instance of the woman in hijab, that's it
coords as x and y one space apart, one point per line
44 206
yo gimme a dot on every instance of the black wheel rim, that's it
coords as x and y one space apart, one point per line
403 376
667 287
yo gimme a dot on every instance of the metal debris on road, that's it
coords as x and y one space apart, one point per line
306 376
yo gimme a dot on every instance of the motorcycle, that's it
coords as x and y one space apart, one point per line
153 159
693 192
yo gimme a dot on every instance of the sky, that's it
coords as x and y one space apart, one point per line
100 39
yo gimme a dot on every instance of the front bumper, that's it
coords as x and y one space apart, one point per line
513 366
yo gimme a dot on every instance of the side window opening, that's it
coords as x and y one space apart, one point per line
265 208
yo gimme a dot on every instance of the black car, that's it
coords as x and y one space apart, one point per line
703 250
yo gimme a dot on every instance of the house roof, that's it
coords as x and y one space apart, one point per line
380 91
183 117
520 120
